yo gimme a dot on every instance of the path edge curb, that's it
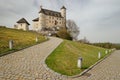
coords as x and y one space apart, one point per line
83 72
10 52
92 66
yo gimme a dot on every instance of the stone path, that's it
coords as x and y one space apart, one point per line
28 64
108 69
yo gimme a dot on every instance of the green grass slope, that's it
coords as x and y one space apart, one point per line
21 39
64 59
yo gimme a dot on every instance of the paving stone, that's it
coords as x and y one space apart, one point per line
108 69
29 64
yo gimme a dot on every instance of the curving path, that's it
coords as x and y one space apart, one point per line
108 69
28 64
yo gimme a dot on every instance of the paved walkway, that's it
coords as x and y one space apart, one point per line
108 69
28 64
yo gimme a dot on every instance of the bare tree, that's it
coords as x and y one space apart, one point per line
73 29
84 40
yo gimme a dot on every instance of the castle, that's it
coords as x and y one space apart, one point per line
49 19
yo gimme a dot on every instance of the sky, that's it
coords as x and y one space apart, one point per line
98 20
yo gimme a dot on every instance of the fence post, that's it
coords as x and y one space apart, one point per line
46 37
79 62
11 44
106 51
109 50
36 39
99 55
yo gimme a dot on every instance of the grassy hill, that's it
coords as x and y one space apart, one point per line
21 39
64 59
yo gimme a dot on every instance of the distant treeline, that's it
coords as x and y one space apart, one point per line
2 26
107 45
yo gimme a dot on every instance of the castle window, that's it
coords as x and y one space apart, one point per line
36 26
49 13
21 24
52 17
52 21
56 22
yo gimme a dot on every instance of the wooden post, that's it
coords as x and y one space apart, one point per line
46 37
109 51
79 63
11 44
36 39
49 34
99 55
106 52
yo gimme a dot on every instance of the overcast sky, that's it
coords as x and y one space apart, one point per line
98 20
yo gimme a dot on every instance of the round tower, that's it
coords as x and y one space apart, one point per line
63 14
41 18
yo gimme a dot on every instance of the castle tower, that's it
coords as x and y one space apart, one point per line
41 18
63 13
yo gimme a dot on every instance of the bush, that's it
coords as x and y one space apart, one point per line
107 45
62 33
2 26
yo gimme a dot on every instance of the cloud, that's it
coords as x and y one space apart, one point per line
17 7
98 19
11 11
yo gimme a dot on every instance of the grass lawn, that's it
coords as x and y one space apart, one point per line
21 39
64 59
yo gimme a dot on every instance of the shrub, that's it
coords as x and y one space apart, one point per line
62 33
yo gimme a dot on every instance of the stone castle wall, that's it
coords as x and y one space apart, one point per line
50 21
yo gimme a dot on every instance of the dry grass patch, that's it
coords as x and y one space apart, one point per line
21 39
